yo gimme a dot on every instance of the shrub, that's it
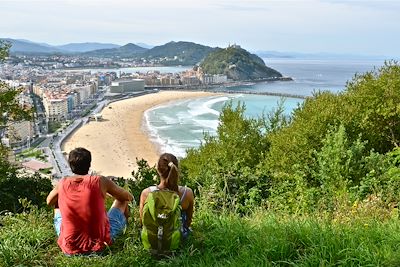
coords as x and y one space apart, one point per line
13 187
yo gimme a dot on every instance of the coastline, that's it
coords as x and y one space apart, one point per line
120 137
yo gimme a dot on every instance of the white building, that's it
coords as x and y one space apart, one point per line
56 107
125 86
84 91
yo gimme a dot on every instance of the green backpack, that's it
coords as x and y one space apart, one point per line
161 221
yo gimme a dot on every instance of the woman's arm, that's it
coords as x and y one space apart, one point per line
143 197
189 210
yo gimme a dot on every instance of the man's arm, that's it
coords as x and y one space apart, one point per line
52 198
115 191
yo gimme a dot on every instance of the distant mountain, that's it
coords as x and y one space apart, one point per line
24 46
128 50
85 47
179 53
238 64
145 45
28 41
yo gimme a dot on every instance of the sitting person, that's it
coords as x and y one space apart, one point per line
167 168
80 218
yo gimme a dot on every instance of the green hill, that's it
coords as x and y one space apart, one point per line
237 64
179 53
128 50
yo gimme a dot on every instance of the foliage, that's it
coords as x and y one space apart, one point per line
359 109
54 126
15 186
4 48
237 64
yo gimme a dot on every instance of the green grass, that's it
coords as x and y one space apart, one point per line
32 153
262 239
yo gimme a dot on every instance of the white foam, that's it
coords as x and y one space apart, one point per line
173 147
156 120
196 109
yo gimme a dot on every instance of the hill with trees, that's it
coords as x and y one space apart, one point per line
179 53
128 50
237 64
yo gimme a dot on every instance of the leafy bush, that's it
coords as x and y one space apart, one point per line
14 186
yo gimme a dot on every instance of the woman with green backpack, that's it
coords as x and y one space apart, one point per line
166 210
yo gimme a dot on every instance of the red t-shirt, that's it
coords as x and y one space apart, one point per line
85 227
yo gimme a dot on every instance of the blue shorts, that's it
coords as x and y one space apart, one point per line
115 216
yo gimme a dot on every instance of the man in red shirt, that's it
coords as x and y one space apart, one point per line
82 224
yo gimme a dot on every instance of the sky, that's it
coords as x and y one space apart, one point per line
350 27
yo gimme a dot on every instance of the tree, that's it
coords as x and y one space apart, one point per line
14 186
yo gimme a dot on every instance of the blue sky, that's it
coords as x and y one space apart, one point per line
355 27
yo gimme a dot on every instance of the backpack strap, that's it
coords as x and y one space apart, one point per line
153 188
184 194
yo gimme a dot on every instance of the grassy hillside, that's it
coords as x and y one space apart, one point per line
262 239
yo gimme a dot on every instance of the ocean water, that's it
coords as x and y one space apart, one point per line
179 125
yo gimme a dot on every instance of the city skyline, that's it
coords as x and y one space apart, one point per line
346 27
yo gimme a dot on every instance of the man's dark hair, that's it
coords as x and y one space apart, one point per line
79 160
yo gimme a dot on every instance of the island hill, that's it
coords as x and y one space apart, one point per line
238 65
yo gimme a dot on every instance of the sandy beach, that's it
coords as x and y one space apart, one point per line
119 138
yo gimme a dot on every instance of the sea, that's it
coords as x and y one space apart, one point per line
179 125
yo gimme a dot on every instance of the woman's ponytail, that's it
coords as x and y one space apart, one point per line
167 167
172 179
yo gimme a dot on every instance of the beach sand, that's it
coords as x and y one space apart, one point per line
116 141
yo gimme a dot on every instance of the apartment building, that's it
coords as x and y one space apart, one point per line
56 106
124 86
